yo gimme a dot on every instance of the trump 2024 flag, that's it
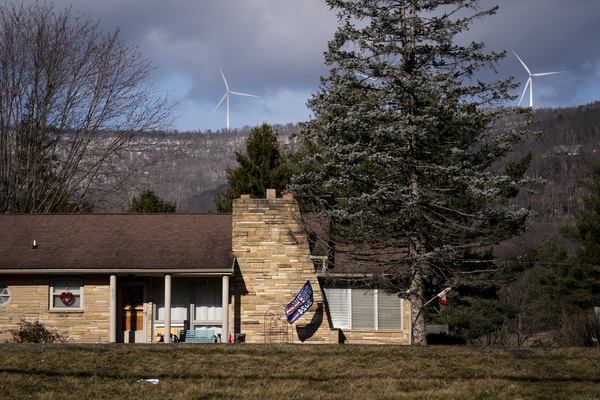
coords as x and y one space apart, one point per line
302 302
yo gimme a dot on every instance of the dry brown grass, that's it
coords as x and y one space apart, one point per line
290 371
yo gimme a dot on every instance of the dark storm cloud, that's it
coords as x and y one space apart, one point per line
273 49
548 35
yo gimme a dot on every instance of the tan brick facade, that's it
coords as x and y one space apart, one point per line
30 300
274 263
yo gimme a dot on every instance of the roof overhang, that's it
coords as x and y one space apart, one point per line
122 272
175 272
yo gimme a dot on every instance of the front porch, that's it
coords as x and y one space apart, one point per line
142 309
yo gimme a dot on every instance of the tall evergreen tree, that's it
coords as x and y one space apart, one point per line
579 277
405 143
260 168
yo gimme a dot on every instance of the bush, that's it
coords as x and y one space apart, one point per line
478 322
578 330
35 332
149 202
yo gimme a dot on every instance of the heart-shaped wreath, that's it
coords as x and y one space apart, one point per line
67 298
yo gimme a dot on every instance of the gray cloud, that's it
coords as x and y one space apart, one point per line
273 49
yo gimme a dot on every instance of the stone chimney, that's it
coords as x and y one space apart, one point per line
273 263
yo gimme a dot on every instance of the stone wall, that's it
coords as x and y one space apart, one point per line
30 299
273 263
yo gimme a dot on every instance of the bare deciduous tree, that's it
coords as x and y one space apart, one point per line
72 101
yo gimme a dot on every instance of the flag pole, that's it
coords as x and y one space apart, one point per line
453 284
424 305
434 297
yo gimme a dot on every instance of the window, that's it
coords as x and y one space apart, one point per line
338 307
180 301
389 311
66 294
194 305
4 295
363 309
208 301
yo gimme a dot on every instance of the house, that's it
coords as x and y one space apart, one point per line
133 277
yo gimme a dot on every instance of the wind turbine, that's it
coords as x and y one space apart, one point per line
530 81
227 92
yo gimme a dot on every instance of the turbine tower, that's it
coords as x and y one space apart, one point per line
227 93
530 81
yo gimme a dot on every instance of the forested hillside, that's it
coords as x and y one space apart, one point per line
193 169
546 292
569 142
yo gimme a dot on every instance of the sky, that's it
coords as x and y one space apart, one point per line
273 49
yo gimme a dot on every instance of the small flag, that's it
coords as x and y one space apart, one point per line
301 304
442 295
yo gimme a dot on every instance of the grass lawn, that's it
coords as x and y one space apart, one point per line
188 371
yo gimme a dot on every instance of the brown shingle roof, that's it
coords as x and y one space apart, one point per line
115 241
352 258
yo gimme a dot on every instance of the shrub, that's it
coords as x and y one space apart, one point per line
479 322
35 332
578 330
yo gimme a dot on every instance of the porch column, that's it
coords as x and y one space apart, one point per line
167 308
112 334
225 308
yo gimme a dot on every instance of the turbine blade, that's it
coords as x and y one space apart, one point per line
528 71
218 104
548 73
224 80
243 94
524 90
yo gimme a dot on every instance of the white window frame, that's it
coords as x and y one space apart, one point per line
376 293
5 295
66 308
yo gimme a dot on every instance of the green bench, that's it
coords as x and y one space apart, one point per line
198 336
